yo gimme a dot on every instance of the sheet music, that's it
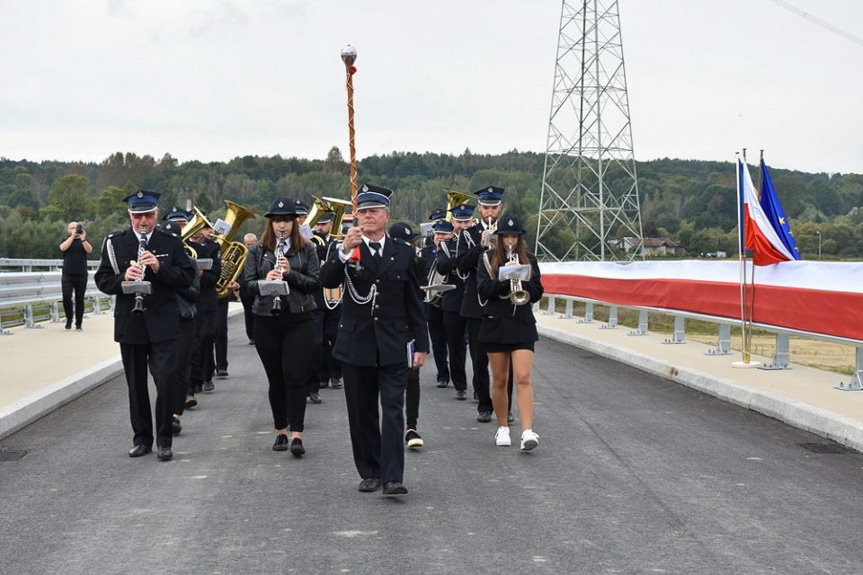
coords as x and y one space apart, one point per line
520 272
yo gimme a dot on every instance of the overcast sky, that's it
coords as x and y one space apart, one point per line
215 79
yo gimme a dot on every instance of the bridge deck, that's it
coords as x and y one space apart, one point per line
634 473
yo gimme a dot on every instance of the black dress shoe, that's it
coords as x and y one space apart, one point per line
139 450
325 383
297 449
69 324
337 383
191 401
164 453
176 428
79 328
369 485
461 395
221 373
251 342
281 443
315 397
208 386
442 382
395 488
484 416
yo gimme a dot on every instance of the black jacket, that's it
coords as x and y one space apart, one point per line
447 263
302 279
469 256
208 298
161 319
378 332
502 321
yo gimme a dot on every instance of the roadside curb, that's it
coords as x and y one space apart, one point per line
834 426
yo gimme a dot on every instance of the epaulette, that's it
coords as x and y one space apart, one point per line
117 233
168 229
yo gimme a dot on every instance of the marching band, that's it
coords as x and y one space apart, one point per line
327 306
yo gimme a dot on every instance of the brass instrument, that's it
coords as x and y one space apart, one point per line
517 294
233 253
453 200
280 252
195 225
436 287
320 206
490 239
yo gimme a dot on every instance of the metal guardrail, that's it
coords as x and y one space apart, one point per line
781 358
33 293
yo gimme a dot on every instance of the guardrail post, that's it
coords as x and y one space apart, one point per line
782 359
55 312
567 314
588 313
679 335
642 323
612 318
723 346
29 319
97 305
856 383
550 310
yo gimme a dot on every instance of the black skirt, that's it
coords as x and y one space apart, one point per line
506 347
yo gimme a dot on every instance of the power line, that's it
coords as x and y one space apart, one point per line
819 21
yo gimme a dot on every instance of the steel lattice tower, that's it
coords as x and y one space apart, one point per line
589 200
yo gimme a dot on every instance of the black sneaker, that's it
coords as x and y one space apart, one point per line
297 449
337 383
442 382
221 373
281 443
325 383
68 324
315 398
461 395
484 416
176 428
208 386
413 441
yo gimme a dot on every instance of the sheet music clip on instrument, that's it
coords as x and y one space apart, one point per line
273 287
516 272
141 287
204 263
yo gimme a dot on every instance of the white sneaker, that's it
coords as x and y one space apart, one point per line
529 440
501 437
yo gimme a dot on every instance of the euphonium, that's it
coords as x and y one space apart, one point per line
195 225
453 200
517 294
233 254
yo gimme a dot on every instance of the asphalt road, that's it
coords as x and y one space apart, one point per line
633 474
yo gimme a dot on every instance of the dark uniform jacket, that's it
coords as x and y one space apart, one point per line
378 332
469 256
208 300
161 319
323 252
302 279
427 259
447 262
502 321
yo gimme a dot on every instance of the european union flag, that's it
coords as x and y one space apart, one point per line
774 212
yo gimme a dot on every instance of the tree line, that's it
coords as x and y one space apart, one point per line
692 202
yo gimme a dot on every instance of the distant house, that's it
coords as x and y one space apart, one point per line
654 247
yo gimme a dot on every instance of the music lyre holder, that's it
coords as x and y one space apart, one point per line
273 287
136 287
204 263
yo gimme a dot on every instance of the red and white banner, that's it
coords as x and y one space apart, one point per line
818 297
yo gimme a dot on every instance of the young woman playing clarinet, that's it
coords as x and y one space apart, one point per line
284 332
508 329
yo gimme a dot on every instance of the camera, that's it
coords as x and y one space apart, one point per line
79 229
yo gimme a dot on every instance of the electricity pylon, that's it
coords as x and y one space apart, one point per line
589 201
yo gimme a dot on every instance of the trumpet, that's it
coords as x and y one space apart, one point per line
280 248
517 294
490 241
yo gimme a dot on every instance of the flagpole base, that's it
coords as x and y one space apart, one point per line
745 364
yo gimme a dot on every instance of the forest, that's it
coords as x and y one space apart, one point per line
692 202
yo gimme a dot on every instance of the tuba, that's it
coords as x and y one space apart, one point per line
453 200
195 225
320 206
233 253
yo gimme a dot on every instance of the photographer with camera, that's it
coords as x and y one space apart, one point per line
75 249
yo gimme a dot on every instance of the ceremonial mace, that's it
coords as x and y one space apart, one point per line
349 56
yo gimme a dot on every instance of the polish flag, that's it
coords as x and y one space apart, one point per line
759 234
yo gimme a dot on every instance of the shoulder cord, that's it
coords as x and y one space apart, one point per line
112 257
488 268
355 295
461 276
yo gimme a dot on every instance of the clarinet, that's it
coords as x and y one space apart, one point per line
280 247
142 247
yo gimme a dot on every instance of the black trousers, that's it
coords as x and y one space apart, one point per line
249 316
454 326
377 441
412 399
220 334
161 357
330 366
185 344
313 382
479 360
78 284
202 351
439 348
285 343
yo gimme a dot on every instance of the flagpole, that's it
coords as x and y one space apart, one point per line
745 331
